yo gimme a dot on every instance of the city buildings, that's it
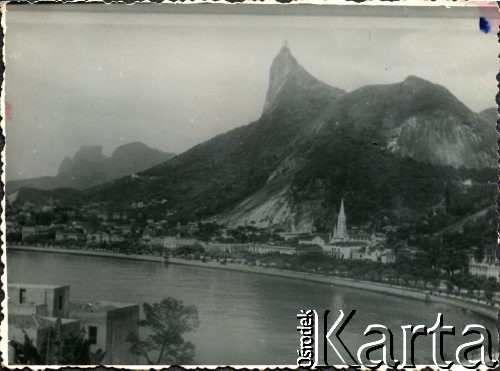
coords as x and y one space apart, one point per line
487 267
350 245
34 231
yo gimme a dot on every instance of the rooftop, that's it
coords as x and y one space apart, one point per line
348 243
26 321
97 306
33 285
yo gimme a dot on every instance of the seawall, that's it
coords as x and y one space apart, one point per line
105 254
383 288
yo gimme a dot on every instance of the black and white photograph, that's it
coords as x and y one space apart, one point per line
252 184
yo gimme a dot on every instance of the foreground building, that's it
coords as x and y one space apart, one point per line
108 326
43 300
47 316
46 333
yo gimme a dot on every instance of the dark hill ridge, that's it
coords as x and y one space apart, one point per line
90 167
489 115
314 143
415 118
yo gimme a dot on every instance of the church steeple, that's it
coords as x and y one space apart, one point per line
340 229
342 212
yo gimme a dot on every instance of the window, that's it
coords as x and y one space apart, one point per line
93 334
60 302
22 296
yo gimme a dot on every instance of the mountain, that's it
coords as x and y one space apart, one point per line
416 119
384 136
216 174
389 150
90 167
489 115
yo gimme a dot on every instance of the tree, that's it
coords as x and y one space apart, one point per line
26 353
165 324
76 351
489 289
72 350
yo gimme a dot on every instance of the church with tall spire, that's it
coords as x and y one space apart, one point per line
343 244
340 229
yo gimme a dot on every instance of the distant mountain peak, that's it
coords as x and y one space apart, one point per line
285 68
85 153
285 57
133 146
284 65
489 116
89 153
90 167
415 84
412 79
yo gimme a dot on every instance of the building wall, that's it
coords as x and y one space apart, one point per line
98 320
40 336
113 329
42 295
33 231
485 270
27 309
121 323
60 302
266 249
227 247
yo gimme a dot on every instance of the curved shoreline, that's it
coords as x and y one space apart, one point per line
490 312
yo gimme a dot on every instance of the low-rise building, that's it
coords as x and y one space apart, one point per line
103 215
48 317
268 249
71 234
229 248
47 334
381 255
170 242
316 241
119 215
184 241
28 232
345 250
12 227
47 300
164 242
108 326
487 267
98 237
116 237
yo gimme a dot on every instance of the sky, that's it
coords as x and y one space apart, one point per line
172 79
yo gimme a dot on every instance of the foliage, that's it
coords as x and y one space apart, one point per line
165 323
76 351
188 250
25 352
72 350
